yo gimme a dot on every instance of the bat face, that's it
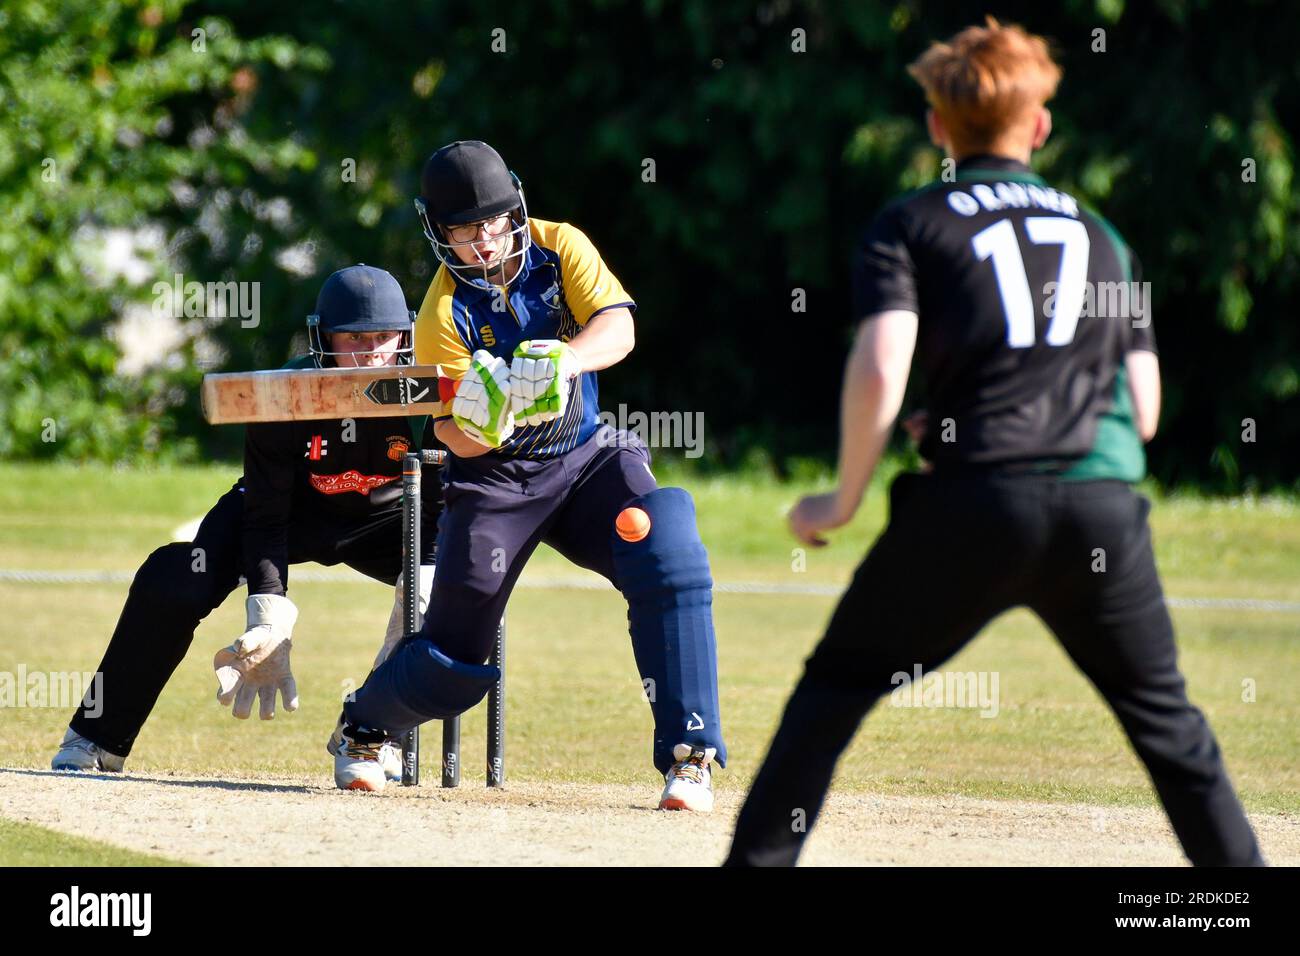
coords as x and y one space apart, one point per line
333 393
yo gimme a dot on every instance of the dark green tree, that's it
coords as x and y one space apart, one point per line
114 119
775 130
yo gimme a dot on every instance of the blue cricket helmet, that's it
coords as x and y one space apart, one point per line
360 298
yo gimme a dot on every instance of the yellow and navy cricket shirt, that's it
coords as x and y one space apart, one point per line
561 284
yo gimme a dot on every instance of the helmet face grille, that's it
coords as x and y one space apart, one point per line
327 358
480 272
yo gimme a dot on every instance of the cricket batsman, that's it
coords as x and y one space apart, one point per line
325 491
1037 409
521 315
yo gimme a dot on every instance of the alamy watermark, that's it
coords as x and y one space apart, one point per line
684 430
61 689
133 911
1100 300
219 300
963 689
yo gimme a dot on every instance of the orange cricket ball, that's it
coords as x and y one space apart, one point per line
632 524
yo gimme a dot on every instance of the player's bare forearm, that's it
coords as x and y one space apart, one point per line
874 384
1144 385
605 340
457 442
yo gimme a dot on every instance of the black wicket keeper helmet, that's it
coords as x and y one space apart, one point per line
468 182
360 298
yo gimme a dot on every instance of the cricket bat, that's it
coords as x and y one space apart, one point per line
285 395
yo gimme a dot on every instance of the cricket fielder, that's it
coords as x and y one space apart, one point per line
522 313
1037 410
326 491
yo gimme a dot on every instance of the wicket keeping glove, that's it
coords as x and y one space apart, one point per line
540 379
257 664
481 408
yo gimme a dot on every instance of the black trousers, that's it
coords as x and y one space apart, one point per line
959 550
181 583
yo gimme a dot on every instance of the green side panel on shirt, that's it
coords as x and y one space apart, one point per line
1117 451
417 423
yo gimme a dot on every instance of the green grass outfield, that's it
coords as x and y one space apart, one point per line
24 844
574 703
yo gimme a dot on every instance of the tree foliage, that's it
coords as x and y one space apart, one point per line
775 130
109 117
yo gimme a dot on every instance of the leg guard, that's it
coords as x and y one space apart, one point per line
418 683
397 618
665 578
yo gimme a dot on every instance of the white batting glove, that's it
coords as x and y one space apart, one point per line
257 664
481 408
540 379
397 620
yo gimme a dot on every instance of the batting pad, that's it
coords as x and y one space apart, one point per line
669 590
416 684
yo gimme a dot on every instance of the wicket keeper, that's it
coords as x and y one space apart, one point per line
1037 411
326 491
522 314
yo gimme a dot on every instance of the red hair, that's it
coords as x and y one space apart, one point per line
986 82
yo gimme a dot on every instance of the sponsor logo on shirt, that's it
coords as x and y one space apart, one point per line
316 449
398 446
350 480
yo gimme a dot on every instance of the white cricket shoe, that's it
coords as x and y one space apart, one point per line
390 752
390 758
78 753
357 761
688 784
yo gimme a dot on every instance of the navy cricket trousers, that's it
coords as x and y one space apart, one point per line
496 511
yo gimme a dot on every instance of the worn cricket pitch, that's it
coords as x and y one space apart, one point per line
267 821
